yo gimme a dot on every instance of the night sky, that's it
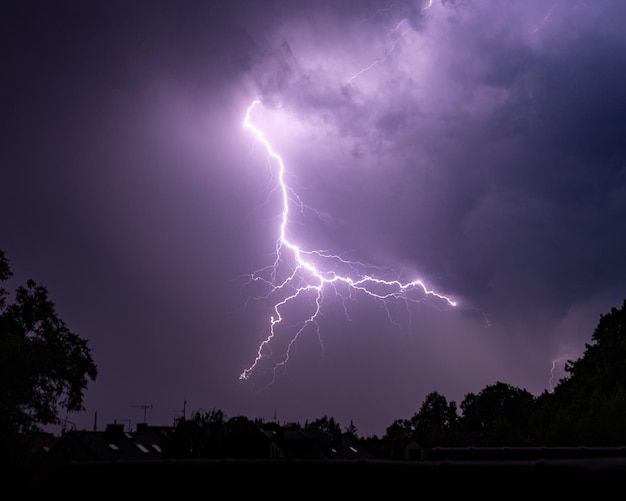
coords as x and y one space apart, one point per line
476 145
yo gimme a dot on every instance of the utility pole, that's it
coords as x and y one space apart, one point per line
145 408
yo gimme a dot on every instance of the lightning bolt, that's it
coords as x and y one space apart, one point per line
385 57
400 32
552 375
313 273
545 20
554 362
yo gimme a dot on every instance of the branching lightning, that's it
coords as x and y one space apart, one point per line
387 54
400 31
311 273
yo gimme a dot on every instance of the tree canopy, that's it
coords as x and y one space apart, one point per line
586 408
589 406
44 367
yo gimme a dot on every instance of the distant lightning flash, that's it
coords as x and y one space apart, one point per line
395 42
552 374
384 58
553 369
311 273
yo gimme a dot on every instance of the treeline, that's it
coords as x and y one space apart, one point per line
586 408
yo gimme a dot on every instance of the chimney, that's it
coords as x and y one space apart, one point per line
114 429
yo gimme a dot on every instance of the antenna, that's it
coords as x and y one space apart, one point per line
183 411
145 408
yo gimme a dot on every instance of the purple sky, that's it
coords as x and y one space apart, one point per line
477 145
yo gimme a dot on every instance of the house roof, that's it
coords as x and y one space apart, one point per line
320 444
42 442
144 444
147 443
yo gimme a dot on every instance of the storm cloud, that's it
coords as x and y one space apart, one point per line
476 145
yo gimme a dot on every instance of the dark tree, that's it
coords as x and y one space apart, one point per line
499 415
589 406
201 436
401 430
397 435
326 424
602 368
351 431
44 367
436 421
245 439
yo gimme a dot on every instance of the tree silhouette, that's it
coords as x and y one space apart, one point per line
324 423
351 430
44 367
200 436
436 422
589 406
499 414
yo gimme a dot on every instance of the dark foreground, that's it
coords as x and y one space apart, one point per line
323 480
